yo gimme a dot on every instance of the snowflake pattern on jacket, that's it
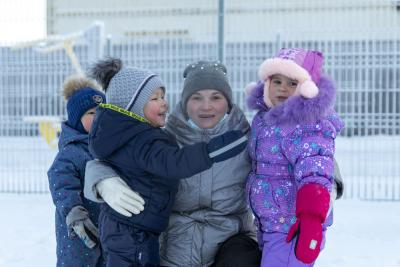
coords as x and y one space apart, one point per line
66 180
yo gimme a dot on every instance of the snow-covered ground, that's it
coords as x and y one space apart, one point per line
364 234
27 237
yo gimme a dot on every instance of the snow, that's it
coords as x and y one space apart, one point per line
28 235
364 233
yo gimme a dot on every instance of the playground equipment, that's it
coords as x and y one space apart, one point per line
49 128
49 125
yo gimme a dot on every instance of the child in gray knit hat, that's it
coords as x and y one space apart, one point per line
127 135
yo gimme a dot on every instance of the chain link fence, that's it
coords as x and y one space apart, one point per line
364 61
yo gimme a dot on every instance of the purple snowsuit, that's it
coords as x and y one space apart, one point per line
291 145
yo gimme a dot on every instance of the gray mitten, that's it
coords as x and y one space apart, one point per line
79 223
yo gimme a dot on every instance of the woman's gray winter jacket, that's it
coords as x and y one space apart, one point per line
210 206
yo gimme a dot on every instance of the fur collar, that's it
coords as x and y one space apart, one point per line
297 109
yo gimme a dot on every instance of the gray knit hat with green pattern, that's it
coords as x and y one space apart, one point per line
131 89
126 87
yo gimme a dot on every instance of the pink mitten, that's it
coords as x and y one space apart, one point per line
312 205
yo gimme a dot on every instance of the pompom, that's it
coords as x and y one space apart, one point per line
308 89
76 82
255 99
104 70
250 87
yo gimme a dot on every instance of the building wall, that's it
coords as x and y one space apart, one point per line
256 20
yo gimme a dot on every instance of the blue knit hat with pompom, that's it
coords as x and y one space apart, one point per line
80 102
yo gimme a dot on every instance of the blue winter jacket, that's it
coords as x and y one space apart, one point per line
148 160
66 181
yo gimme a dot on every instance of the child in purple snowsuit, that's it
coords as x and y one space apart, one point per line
292 148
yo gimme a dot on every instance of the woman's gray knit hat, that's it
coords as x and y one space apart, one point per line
131 88
203 75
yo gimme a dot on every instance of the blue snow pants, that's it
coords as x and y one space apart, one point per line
126 245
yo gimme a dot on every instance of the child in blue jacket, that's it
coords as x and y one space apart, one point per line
75 217
127 135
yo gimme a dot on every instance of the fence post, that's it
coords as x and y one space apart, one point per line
278 41
108 46
95 37
221 45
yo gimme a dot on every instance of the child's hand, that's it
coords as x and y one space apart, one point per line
312 205
79 224
309 238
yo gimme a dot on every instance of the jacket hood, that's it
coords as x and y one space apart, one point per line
112 130
70 135
179 126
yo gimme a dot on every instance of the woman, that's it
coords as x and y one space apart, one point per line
211 206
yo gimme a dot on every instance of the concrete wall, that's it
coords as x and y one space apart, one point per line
256 20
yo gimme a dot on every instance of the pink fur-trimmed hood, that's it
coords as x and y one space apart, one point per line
297 109
302 65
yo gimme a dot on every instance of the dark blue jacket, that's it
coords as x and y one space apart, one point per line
66 180
148 160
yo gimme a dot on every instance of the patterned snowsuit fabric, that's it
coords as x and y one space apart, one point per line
285 158
66 181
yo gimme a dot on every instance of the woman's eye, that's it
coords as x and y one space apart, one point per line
293 84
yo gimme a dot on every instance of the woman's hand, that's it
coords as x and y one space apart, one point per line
117 194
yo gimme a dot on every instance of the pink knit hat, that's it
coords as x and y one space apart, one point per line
305 66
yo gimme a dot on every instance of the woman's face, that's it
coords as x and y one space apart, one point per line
206 108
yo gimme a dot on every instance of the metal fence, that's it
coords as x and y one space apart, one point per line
366 71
